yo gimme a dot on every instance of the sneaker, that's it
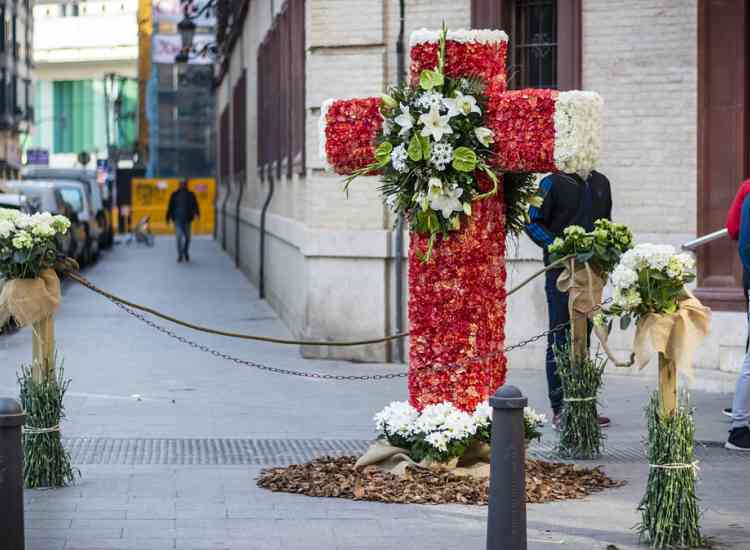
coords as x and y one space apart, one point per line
739 439
179 259
604 422
727 412
187 257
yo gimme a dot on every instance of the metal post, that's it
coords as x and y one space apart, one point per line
506 517
11 475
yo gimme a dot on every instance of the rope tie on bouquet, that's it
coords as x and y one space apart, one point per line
31 430
579 399
678 466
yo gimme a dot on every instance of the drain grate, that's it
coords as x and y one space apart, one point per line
266 452
281 452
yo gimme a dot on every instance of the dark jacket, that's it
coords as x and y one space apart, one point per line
568 199
744 244
183 206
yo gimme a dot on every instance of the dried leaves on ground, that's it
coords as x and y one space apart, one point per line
337 477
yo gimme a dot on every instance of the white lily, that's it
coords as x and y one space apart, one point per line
404 120
484 135
435 124
447 202
462 105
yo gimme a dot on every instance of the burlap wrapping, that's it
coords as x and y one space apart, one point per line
676 335
30 300
584 287
474 463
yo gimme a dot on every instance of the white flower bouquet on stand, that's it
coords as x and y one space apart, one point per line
29 249
649 288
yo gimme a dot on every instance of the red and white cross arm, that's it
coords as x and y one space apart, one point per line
535 131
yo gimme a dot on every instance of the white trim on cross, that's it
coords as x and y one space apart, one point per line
480 36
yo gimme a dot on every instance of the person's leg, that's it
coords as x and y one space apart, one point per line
739 436
557 305
188 231
179 230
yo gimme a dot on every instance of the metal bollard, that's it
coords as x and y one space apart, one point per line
11 475
506 516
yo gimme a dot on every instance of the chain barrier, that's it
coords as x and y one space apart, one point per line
127 308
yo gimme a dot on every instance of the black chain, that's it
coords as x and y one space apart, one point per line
321 376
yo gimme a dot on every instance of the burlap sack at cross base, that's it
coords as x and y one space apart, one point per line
474 463
30 300
583 285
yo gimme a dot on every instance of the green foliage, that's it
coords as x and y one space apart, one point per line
46 462
670 517
580 434
602 247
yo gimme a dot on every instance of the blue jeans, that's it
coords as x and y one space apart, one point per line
182 231
557 305
741 402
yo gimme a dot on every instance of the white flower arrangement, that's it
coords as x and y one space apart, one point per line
479 36
442 431
29 243
578 129
649 279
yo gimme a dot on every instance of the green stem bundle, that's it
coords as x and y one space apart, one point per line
669 509
580 434
46 462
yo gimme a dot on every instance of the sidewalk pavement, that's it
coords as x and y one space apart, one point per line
169 439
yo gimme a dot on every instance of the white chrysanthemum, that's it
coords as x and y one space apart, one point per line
532 416
397 418
43 230
429 100
445 419
480 36
441 154
483 414
9 214
578 128
398 158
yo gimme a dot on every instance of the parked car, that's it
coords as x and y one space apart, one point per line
45 196
94 192
13 201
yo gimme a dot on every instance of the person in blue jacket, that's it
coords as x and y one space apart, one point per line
739 434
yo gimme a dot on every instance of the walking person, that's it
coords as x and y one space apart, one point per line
733 228
182 210
566 199
739 433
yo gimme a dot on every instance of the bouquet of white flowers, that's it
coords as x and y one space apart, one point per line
29 244
649 279
442 432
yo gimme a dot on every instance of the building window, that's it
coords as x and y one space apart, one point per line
545 40
534 47
281 92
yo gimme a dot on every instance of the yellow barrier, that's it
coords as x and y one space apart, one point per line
150 197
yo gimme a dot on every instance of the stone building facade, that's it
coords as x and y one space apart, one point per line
666 76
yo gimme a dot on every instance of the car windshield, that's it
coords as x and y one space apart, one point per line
73 197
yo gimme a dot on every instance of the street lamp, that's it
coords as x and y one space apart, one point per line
186 28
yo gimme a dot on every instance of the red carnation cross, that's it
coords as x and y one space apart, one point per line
457 299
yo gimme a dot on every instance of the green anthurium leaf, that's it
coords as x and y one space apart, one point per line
415 148
383 153
431 79
426 147
464 159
